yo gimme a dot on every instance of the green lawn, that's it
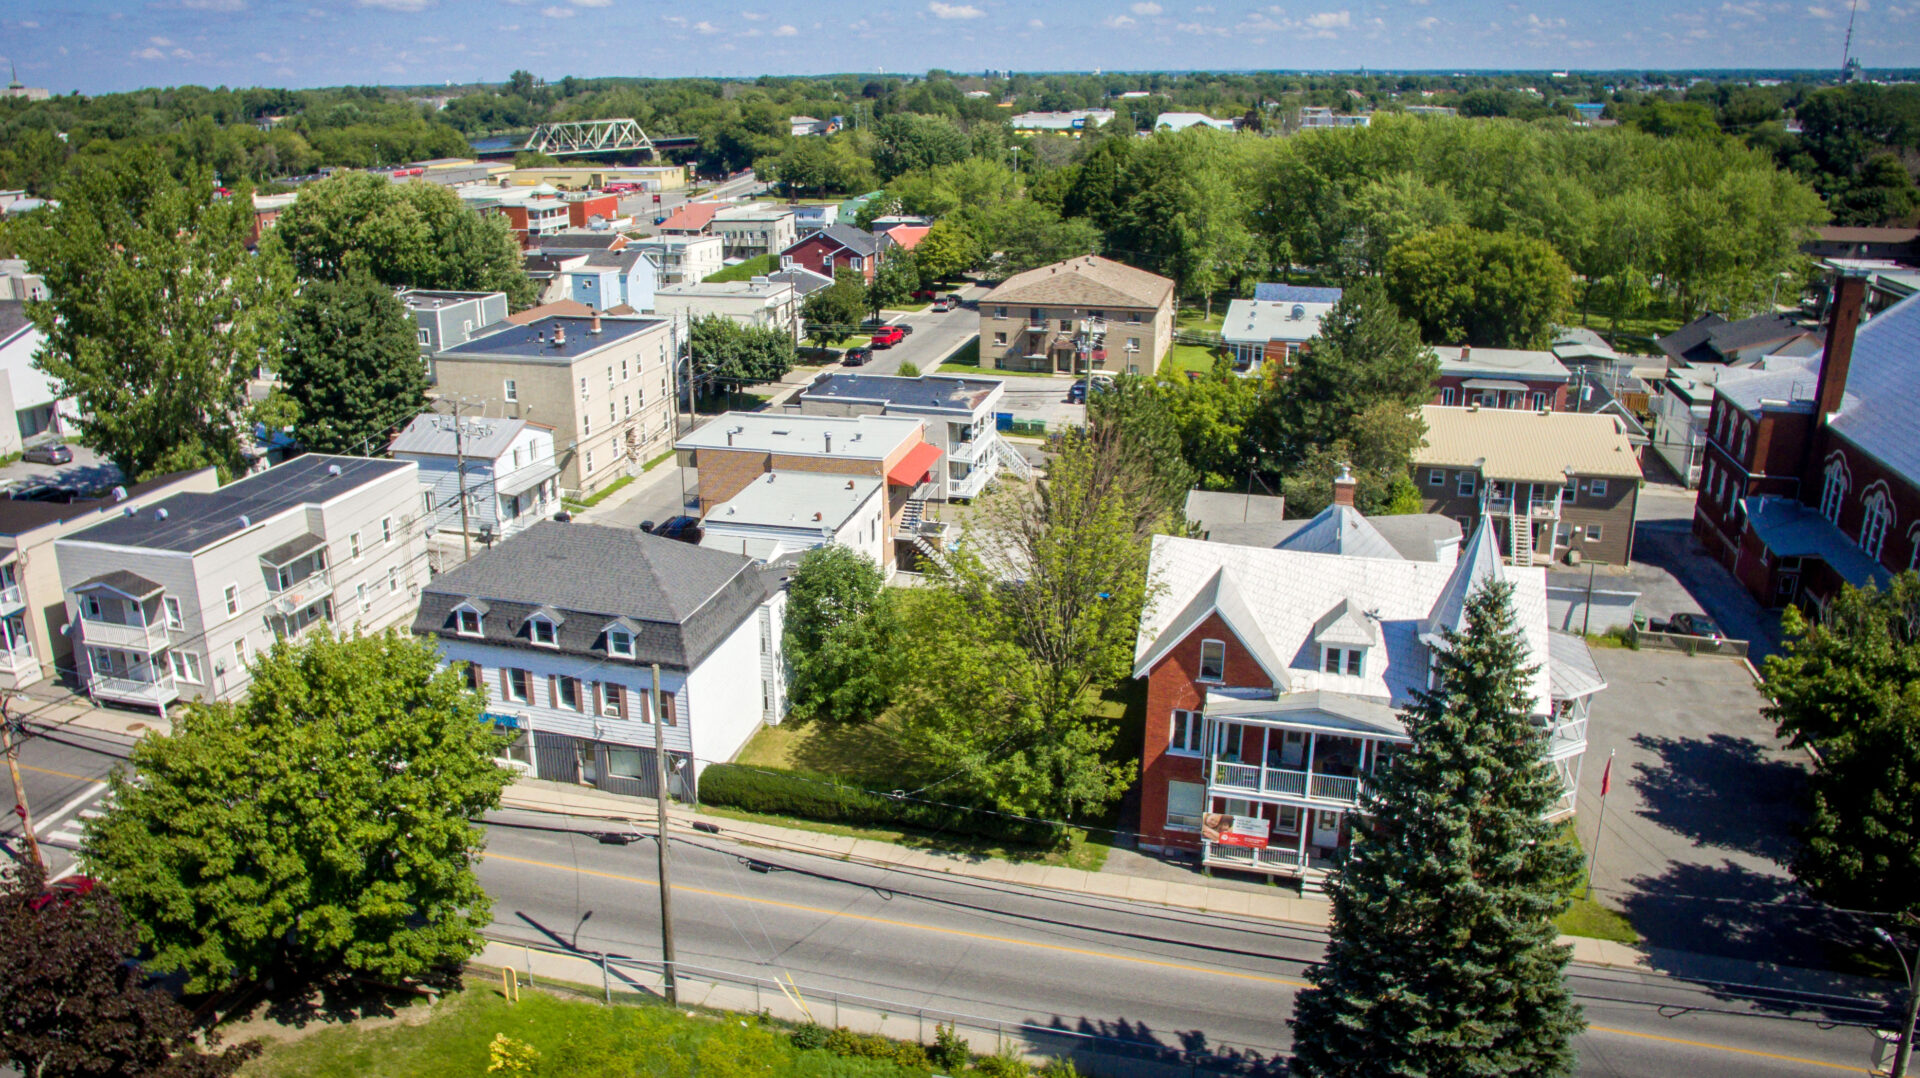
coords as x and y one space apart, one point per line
1187 357
1589 918
751 268
1197 320
575 1038
967 361
715 403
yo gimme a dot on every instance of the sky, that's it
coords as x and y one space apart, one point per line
97 46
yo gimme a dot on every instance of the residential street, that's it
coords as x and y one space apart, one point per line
1204 982
64 773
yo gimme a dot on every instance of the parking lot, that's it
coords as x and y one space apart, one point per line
88 472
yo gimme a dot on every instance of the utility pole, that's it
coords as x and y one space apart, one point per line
460 468
666 885
13 768
1903 1053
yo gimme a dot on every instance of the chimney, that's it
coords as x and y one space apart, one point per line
1343 486
1466 350
1842 322
559 336
827 436
596 321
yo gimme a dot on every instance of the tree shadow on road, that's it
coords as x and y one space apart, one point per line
1135 1050
1722 792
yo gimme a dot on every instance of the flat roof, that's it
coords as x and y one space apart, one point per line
931 392
762 288
192 521
1258 321
535 339
860 437
1525 446
781 499
1509 362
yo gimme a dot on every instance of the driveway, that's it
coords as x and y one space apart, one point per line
89 471
1700 818
936 335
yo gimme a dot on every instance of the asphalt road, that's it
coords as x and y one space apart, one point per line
1212 983
64 773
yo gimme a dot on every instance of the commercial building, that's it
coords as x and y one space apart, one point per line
1554 485
563 625
1084 312
175 598
604 384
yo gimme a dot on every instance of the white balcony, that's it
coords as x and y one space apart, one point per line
972 483
1286 861
1567 739
127 637
1232 780
125 690
11 599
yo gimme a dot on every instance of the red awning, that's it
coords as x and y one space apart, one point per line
916 467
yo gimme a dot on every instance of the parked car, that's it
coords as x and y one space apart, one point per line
1077 393
857 357
944 303
48 453
888 336
684 529
60 495
62 891
1693 625
905 328
923 293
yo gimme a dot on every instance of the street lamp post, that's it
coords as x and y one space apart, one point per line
1912 969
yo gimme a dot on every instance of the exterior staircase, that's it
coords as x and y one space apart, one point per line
1520 534
1012 461
913 514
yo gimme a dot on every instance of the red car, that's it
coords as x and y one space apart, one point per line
64 890
888 336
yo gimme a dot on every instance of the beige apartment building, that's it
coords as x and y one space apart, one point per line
605 385
1118 317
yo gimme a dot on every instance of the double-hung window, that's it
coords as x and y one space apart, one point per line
1213 660
1186 738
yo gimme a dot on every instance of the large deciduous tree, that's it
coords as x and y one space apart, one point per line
418 235
322 826
1467 286
723 350
1443 958
1849 685
352 367
1366 355
1017 641
158 316
72 1001
944 251
833 313
839 637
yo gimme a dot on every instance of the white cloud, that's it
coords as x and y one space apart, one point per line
673 20
954 11
160 41
1743 11
1820 12
785 30
398 5
149 54
705 27
592 3
1328 20
753 16
214 5
1147 8
1428 23
557 12
1120 22
1203 9
1201 28
1036 24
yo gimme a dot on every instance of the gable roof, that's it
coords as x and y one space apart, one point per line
857 240
1479 563
1345 625
906 237
1712 339
805 282
1089 281
432 434
1286 594
1341 529
693 216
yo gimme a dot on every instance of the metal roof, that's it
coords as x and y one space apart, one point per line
1525 446
1877 411
432 434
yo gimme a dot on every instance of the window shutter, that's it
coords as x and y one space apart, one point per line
619 698
667 711
553 691
596 698
503 683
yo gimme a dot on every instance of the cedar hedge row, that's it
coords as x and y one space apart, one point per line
825 798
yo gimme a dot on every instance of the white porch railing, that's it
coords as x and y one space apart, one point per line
115 634
1335 788
134 690
1285 782
1568 737
1273 858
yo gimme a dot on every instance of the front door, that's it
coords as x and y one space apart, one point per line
1326 829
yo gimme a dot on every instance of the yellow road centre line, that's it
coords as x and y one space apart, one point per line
60 774
1063 949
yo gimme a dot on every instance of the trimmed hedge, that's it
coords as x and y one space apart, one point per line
810 796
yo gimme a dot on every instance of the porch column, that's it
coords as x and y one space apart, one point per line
1311 740
1305 818
1266 741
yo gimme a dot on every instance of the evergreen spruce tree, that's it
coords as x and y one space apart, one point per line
1443 960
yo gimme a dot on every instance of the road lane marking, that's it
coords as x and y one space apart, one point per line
1849 1067
961 932
86 795
986 937
59 774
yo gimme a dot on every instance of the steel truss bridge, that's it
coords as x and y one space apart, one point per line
590 136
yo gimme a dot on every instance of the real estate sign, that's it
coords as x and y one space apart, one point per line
1224 830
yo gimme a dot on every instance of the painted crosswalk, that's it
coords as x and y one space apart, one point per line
64 828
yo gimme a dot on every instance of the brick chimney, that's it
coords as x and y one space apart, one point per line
1343 486
1843 321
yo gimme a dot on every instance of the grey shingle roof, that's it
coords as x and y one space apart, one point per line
121 580
1877 411
685 599
13 317
1089 281
857 240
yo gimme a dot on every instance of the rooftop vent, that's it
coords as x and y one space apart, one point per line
119 494
246 521
1299 312
159 514
333 469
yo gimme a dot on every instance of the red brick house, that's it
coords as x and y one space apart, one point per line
835 247
1812 471
1501 378
1276 677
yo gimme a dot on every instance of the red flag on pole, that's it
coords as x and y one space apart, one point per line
1606 776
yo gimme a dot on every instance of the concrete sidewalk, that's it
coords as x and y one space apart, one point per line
541 796
51 705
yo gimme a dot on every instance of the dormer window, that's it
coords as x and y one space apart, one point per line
1213 660
466 621
543 632
1351 661
620 643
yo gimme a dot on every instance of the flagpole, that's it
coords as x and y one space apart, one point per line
1606 783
